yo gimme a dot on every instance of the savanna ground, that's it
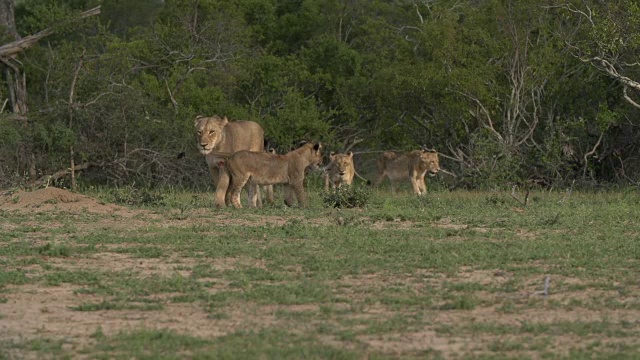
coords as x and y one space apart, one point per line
450 275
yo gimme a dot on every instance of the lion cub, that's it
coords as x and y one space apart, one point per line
261 168
340 170
413 165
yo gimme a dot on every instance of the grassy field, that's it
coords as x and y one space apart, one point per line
452 275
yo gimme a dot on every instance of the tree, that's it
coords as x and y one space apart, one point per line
606 34
15 77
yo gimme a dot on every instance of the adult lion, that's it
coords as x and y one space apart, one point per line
340 170
219 135
260 168
413 165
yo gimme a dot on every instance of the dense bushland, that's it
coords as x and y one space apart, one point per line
506 90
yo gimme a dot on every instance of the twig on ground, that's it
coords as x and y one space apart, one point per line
569 191
545 290
526 196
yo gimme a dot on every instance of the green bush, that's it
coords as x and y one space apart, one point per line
346 197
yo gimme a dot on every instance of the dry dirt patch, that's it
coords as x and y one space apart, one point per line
40 311
36 311
54 199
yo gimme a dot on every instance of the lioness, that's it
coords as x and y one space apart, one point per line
260 168
340 170
215 135
413 165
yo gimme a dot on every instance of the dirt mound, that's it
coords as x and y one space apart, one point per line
54 199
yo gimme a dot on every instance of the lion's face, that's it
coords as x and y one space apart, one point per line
209 132
315 157
342 164
430 161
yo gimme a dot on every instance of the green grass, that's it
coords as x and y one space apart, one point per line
336 283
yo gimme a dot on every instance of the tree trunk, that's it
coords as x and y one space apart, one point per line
13 76
7 19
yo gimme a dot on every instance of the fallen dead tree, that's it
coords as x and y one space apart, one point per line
143 166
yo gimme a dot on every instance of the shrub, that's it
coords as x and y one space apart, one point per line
346 197
129 195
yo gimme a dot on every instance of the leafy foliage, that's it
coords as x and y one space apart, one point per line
492 85
346 197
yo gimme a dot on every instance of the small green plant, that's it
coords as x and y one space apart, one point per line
54 250
130 195
495 199
464 302
346 197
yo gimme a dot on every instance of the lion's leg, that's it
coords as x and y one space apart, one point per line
221 174
259 196
380 179
288 195
415 183
301 196
236 188
422 185
253 194
268 190
215 174
227 197
326 182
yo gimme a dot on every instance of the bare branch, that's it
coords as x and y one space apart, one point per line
488 123
629 99
173 100
567 6
418 12
590 153
526 196
13 48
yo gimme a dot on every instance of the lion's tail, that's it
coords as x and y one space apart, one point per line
361 178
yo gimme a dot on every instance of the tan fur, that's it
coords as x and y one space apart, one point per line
219 135
260 168
340 170
268 189
413 165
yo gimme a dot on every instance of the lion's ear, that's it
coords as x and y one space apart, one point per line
350 153
195 123
317 147
224 121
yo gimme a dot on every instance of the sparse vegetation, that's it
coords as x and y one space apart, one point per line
465 270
